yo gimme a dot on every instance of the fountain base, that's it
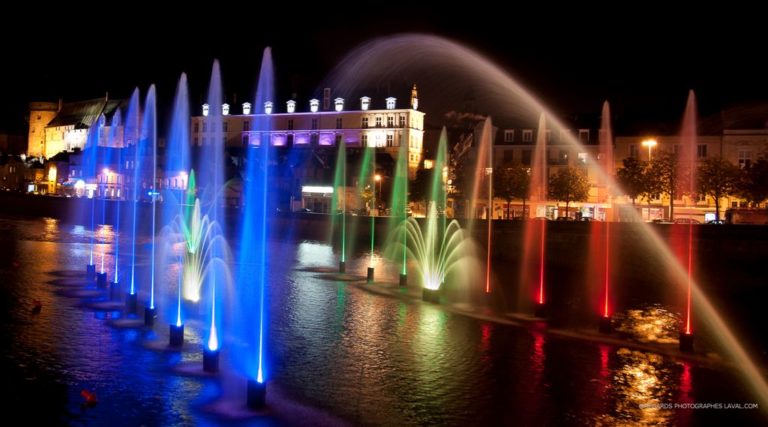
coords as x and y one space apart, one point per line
686 342
114 291
342 267
210 360
540 310
90 271
403 280
176 338
131 302
257 395
606 325
431 295
369 277
149 316
101 280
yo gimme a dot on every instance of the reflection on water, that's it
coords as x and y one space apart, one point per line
650 324
642 380
337 349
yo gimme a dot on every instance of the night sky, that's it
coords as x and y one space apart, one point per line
643 60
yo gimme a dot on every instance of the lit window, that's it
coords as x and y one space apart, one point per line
745 159
365 122
365 103
509 135
390 121
527 135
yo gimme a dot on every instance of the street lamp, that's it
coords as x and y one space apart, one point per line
376 178
650 143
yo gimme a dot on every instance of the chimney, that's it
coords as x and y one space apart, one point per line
61 104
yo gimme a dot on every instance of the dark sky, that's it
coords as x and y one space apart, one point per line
643 60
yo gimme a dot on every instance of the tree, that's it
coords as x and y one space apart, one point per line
633 178
665 177
754 182
511 181
717 178
366 196
570 184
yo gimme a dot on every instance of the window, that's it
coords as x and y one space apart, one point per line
365 122
378 121
314 123
701 151
290 124
509 135
289 139
226 126
390 121
745 159
584 136
507 156
338 123
563 157
527 135
633 150
314 138
246 126
583 158
197 127
364 139
338 139
402 120
245 139
205 127
390 140
526 157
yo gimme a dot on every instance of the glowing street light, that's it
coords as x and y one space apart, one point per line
376 178
650 143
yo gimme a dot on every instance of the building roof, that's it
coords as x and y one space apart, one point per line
82 114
